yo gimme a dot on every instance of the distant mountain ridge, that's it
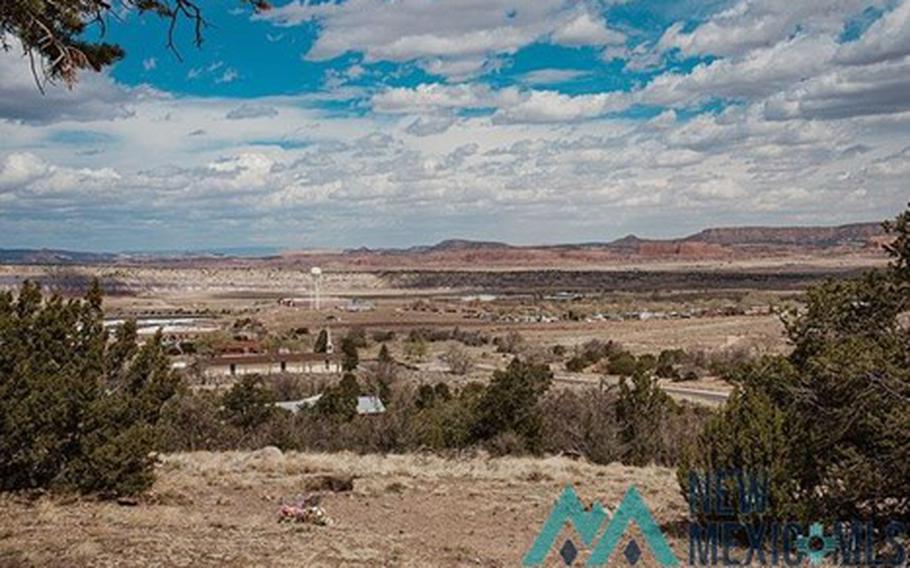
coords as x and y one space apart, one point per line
852 234
54 256
800 236
63 256
709 243
463 244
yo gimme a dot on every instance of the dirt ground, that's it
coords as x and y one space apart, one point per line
764 332
209 509
228 293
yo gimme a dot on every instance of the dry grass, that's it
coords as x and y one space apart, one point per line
220 509
285 468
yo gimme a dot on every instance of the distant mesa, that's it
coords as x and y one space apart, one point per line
726 242
853 234
628 240
465 244
448 245
54 256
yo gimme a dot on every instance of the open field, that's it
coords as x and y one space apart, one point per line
723 308
252 277
222 510
401 300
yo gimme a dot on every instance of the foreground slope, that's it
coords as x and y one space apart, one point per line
220 509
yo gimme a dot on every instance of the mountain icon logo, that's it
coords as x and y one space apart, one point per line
588 524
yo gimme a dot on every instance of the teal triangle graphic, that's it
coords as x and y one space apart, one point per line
633 508
567 509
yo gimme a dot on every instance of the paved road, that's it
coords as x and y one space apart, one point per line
701 396
677 391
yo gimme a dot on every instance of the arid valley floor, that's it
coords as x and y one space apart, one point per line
221 509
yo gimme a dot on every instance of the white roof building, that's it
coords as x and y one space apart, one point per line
365 404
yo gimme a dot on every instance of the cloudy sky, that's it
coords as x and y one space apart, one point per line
400 122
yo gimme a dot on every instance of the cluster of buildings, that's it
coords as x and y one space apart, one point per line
244 354
645 315
540 317
247 357
352 305
271 364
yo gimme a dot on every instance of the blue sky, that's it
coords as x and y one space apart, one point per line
368 122
270 60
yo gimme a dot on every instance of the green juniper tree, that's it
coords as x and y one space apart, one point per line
509 404
829 422
248 404
899 248
350 359
322 342
76 410
384 355
339 402
640 411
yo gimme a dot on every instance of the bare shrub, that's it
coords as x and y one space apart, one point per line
415 349
512 342
506 443
193 423
382 336
458 359
590 353
286 387
380 377
581 423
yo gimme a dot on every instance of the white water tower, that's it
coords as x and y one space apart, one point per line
316 273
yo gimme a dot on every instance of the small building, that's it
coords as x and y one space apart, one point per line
264 364
295 405
366 405
241 347
359 305
370 405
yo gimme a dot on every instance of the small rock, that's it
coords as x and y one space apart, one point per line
268 457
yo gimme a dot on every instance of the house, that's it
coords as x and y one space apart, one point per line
266 364
360 305
365 404
370 405
296 405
